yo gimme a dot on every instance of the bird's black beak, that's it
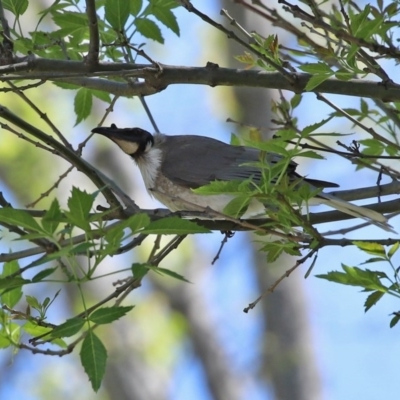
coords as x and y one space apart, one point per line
111 132
133 141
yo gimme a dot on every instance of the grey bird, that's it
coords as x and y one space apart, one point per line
171 166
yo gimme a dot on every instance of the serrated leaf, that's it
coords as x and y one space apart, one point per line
19 218
135 6
235 141
375 249
83 104
13 296
139 270
4 340
33 302
52 218
107 315
165 16
311 128
101 95
276 248
10 334
43 274
295 100
315 81
311 154
174 226
149 29
237 206
172 274
71 24
373 260
137 222
395 320
34 329
393 249
80 203
372 299
93 358
116 12
355 276
12 283
233 187
17 7
52 256
317 68
69 328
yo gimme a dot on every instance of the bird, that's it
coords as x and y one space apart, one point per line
172 166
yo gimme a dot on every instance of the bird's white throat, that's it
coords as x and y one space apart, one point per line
149 164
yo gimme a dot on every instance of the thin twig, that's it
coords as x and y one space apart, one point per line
279 280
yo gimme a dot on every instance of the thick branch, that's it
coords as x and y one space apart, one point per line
94 43
157 80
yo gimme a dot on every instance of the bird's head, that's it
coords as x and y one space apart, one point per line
133 141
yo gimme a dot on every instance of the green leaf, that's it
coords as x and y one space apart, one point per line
393 250
139 270
10 335
20 218
173 226
34 329
52 218
373 260
165 16
316 80
80 203
33 302
43 274
372 299
233 187
13 296
4 340
149 29
107 315
375 249
101 95
93 358
358 20
311 154
355 276
83 104
237 206
69 328
17 7
137 222
395 320
72 24
317 68
117 13
172 274
11 283
311 128
136 6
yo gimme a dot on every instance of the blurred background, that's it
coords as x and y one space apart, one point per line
309 340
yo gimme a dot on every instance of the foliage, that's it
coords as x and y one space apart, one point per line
90 52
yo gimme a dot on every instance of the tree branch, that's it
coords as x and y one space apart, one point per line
78 73
92 57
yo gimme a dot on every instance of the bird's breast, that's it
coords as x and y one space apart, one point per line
180 198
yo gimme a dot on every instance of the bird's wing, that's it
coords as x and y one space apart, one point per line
201 160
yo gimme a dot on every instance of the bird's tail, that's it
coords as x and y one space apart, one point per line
366 214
